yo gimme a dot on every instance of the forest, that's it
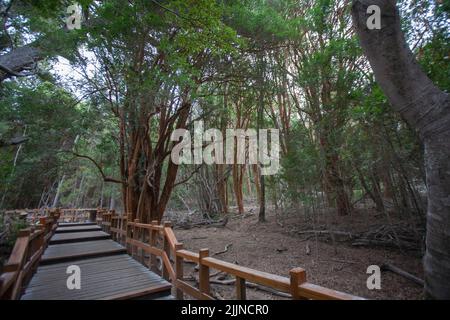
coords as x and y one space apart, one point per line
93 97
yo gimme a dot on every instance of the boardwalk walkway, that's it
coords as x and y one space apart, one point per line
122 258
107 271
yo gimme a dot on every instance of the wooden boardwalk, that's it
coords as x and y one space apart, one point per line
107 271
37 267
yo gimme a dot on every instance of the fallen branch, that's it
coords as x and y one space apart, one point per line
338 233
223 251
384 243
206 223
215 274
406 275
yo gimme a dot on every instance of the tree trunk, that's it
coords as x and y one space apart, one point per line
427 109
238 173
58 192
260 123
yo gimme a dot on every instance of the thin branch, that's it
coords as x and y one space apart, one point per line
189 177
104 176
12 72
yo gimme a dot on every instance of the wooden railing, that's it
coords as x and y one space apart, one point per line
25 256
156 246
79 215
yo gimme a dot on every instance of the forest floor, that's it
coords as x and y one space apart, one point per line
276 248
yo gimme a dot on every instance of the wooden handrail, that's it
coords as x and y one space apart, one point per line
296 285
312 291
188 255
24 258
170 236
263 278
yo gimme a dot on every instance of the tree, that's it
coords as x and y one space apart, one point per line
151 65
427 109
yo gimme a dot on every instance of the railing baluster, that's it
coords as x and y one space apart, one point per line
179 261
135 249
203 272
166 248
129 235
298 276
153 241
241 289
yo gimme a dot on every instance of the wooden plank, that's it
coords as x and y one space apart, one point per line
78 237
97 269
76 224
81 250
117 282
141 292
78 228
113 277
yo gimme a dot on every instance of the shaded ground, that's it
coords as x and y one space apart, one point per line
276 248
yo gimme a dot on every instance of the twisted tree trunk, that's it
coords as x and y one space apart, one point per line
427 109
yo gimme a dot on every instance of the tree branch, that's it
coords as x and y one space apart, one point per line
104 176
188 177
13 141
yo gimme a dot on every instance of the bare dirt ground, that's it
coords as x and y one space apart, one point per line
275 247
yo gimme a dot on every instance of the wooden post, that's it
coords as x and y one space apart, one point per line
58 214
179 261
166 248
203 272
135 249
298 276
153 240
43 223
128 235
40 240
142 239
92 215
112 233
123 227
241 292
112 214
